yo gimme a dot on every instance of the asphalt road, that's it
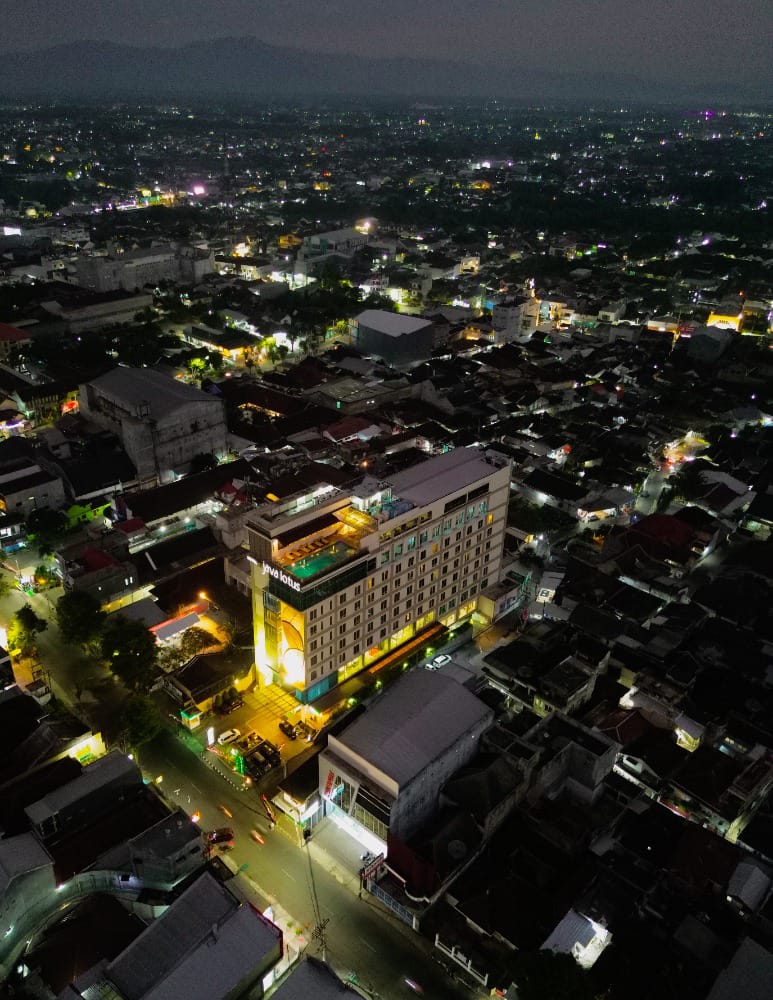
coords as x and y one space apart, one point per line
361 936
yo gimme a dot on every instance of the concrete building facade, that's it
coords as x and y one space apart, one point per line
343 579
162 423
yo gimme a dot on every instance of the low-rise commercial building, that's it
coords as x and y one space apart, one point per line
381 777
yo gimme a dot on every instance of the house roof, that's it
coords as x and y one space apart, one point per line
12 333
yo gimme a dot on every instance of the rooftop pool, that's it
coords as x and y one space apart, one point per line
317 562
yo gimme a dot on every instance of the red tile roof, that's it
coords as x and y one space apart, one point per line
12 333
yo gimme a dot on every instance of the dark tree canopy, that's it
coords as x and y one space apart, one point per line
141 718
80 617
131 652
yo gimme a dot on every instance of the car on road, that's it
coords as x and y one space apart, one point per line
228 736
439 661
288 729
222 835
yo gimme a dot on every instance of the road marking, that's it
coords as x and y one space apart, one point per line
291 877
366 943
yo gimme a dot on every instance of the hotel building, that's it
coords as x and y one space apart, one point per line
342 579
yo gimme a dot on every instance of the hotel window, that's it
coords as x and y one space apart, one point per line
342 643
357 605
398 568
371 582
313 660
356 635
460 519
383 622
312 614
436 531
371 598
342 629
409 590
490 519
384 577
342 598
423 538
483 506
357 589
383 633
314 675
398 549
356 619
384 558
384 605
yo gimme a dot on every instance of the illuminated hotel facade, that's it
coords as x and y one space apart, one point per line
342 578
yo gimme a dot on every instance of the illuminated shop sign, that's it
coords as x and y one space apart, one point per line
279 575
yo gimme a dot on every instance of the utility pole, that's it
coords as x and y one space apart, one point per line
320 924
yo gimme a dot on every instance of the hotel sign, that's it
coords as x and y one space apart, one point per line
279 575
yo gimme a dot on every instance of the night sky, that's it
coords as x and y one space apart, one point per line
670 39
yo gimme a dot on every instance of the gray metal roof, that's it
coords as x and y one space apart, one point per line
391 324
200 949
312 980
441 475
413 723
164 395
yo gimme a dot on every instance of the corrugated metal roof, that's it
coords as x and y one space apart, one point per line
413 723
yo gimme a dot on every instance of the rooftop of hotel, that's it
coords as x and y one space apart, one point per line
321 531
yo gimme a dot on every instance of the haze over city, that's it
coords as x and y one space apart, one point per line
691 47
386 501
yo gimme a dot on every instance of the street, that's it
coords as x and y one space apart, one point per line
360 936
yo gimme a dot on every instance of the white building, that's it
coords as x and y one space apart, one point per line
162 423
345 580
515 318
382 776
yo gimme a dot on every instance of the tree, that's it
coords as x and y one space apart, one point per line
194 641
25 625
142 720
203 462
131 652
689 482
80 617
47 524
542 974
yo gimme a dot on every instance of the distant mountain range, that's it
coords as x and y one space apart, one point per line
250 69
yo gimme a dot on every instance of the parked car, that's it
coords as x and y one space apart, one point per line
229 736
222 835
288 729
226 707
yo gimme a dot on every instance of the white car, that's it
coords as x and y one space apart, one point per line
439 661
229 736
